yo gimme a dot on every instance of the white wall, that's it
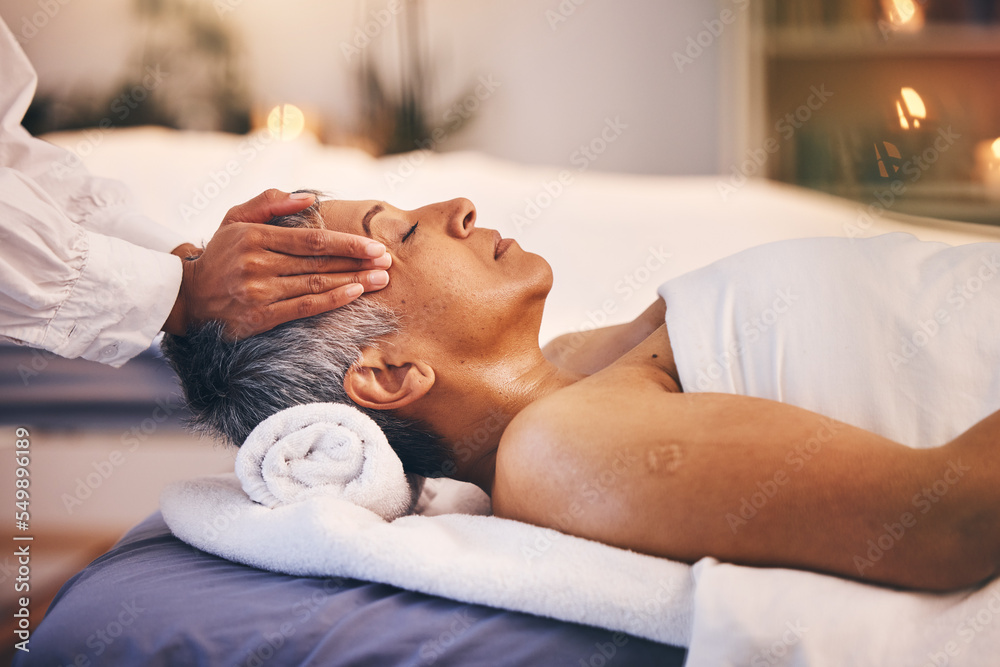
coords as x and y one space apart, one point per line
560 80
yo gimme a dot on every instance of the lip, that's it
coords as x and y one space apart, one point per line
501 247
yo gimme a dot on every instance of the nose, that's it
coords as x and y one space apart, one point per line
461 217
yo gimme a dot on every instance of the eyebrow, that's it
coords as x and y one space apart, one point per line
366 222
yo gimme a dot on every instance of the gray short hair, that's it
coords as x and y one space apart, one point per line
231 387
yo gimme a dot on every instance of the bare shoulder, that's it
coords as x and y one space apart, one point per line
564 450
531 449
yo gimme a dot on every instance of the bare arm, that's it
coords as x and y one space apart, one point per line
586 352
752 481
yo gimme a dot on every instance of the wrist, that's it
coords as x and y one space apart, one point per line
178 320
187 251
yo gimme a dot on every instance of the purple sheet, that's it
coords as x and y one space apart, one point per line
153 600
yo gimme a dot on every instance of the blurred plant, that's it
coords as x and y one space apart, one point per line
397 118
205 88
185 75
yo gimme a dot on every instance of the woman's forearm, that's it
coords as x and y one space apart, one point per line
979 450
851 502
756 482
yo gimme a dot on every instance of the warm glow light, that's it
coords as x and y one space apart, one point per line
987 168
904 14
902 11
286 121
914 104
902 116
915 109
886 160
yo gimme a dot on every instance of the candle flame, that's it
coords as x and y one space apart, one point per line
914 103
904 14
903 11
915 108
286 121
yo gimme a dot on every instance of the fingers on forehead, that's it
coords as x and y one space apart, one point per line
306 242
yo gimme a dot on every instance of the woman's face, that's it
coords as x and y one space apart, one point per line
458 287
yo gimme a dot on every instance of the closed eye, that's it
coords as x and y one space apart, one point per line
409 233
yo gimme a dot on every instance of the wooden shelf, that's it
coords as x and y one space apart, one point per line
865 41
768 67
968 202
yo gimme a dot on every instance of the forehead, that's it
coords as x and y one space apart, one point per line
346 216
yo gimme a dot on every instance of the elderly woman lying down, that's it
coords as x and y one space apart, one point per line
450 348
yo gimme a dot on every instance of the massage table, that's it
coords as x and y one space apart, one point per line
611 239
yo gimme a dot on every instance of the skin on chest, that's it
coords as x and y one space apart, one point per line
652 359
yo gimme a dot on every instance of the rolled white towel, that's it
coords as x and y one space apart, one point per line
323 449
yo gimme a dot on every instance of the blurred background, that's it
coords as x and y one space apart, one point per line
349 65
864 99
524 81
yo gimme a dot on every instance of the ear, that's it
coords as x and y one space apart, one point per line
377 383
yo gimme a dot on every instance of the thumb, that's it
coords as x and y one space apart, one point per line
269 204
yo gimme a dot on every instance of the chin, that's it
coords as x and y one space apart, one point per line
541 274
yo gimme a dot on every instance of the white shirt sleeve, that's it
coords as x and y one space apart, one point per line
82 272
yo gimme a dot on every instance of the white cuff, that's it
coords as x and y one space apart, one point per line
118 304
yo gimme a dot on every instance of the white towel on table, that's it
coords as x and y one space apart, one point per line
321 492
323 449
470 558
891 334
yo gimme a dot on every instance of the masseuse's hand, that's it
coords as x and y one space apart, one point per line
254 277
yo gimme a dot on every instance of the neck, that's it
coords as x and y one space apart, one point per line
479 403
